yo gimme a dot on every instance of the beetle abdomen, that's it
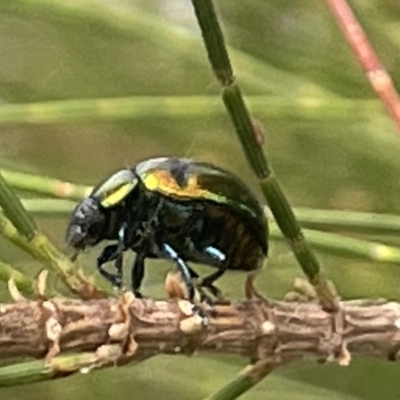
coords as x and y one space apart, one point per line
243 249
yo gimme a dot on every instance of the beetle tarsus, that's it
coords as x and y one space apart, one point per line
214 297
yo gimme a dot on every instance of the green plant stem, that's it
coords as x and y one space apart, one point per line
44 185
250 138
133 108
15 211
343 245
244 381
361 222
23 282
39 370
8 230
49 207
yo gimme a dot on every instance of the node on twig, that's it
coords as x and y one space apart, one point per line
53 329
121 331
175 287
40 284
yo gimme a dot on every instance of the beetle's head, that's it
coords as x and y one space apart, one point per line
100 215
87 225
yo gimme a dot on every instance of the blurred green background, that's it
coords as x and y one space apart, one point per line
329 140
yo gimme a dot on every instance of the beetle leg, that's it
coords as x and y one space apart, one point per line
119 258
208 282
137 273
171 254
193 273
118 267
111 253
214 257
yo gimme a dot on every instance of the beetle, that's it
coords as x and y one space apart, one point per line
176 209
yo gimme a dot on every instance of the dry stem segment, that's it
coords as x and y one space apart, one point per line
270 331
376 73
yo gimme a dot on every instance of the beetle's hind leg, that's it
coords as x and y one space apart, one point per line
212 256
208 283
111 253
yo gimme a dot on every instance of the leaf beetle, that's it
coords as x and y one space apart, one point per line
176 209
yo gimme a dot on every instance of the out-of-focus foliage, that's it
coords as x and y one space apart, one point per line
330 141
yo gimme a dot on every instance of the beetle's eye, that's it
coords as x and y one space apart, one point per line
112 191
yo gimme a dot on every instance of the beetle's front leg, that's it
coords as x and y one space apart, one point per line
111 253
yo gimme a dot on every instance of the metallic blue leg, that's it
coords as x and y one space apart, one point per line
170 253
217 258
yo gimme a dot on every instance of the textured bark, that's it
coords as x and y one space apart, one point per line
273 331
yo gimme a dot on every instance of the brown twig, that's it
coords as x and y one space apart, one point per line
376 73
272 331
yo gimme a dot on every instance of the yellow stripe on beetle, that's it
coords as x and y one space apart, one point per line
117 195
162 181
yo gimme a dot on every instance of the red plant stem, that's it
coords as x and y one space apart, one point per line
377 75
